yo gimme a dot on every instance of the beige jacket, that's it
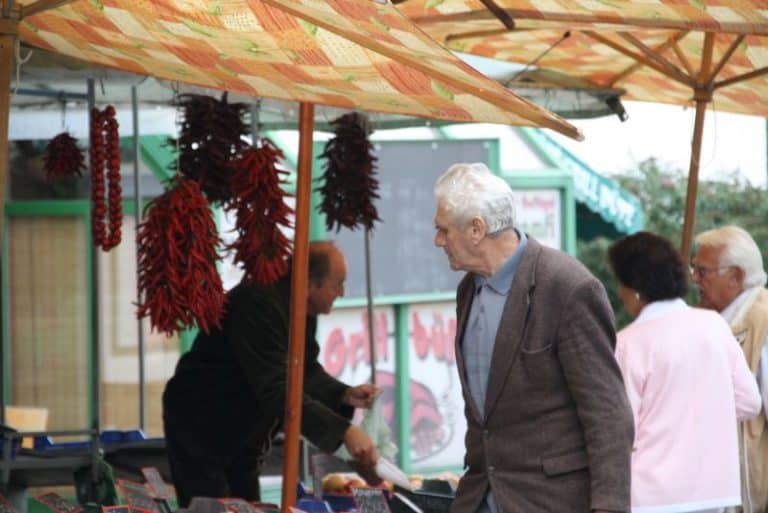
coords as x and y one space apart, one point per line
750 327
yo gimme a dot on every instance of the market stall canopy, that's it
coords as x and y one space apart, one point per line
653 51
344 53
704 52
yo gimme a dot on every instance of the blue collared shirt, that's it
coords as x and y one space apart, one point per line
480 334
483 322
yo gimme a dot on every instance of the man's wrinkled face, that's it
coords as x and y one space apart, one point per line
718 285
455 242
322 296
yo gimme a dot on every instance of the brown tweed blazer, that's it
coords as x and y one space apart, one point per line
557 433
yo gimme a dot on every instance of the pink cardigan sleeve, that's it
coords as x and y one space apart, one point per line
633 375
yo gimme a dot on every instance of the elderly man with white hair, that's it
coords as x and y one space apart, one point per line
549 426
728 269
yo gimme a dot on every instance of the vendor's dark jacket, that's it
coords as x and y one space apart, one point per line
555 433
232 384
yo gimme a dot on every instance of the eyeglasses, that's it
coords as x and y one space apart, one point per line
701 272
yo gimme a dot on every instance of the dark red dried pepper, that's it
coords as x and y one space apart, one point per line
349 181
258 201
212 135
178 250
62 157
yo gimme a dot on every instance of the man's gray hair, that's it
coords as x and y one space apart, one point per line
471 190
739 250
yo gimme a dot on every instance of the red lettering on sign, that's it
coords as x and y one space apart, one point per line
334 353
437 338
348 350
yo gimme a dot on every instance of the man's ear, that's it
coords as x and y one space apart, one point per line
738 276
478 229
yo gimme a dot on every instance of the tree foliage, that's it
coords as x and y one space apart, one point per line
730 200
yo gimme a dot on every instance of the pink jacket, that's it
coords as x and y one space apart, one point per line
688 383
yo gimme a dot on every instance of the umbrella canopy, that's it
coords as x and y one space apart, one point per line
345 53
702 53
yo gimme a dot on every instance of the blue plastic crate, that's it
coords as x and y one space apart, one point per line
312 505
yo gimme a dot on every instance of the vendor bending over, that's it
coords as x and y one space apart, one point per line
226 400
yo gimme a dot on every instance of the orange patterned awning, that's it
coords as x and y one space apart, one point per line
653 50
356 54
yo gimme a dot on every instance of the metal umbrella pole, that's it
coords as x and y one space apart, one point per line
369 304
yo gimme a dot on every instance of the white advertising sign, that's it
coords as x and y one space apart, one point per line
539 215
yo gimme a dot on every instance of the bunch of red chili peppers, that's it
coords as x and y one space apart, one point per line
261 211
62 157
105 149
178 242
349 182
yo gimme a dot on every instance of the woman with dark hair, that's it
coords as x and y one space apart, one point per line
687 382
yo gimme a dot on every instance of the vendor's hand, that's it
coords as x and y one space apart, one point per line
361 396
360 446
367 472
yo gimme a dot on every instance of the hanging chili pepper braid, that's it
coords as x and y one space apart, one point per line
258 202
212 135
349 182
105 148
178 243
62 157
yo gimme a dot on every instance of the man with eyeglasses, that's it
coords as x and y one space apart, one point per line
728 269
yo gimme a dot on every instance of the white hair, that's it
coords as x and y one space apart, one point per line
471 190
739 250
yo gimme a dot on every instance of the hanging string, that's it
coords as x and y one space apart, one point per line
177 123
19 62
256 125
63 113
565 36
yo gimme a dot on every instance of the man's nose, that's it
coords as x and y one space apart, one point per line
439 242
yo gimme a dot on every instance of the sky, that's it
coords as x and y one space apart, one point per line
732 142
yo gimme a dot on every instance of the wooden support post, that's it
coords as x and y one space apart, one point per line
7 42
292 424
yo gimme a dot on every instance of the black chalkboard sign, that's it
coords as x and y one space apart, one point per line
57 503
156 483
404 259
137 495
370 500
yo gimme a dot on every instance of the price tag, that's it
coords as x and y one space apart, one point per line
6 506
116 509
370 500
58 503
137 495
156 483
235 505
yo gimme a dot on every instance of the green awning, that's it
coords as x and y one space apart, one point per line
600 194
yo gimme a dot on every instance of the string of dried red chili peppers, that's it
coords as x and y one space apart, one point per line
62 157
211 136
178 243
258 201
349 181
105 149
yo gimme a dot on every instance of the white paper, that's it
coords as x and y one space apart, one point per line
390 472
